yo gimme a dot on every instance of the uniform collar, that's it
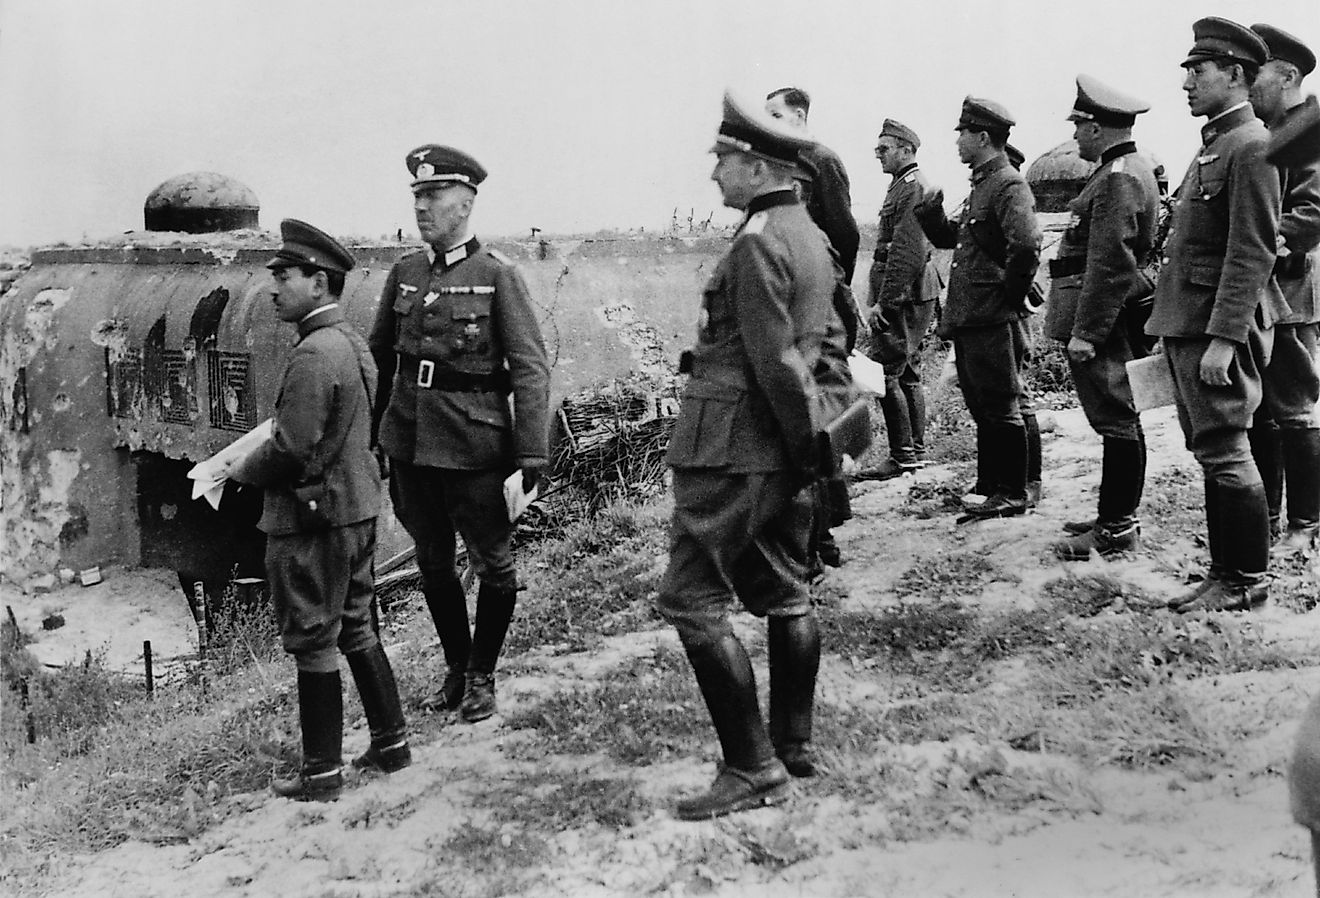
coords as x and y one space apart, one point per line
784 197
455 254
1118 149
903 172
319 317
1285 115
1226 121
989 167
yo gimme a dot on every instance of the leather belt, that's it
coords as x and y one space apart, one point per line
1062 268
428 376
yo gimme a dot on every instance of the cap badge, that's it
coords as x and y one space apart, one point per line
425 170
421 154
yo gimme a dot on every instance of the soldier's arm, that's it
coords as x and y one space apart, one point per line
1016 210
529 368
1300 225
1253 224
907 251
835 195
307 397
1112 268
934 223
762 291
381 343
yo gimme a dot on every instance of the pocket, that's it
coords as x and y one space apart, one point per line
488 408
311 503
470 325
703 432
1203 275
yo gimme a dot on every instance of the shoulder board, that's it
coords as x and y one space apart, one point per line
910 177
756 224
498 256
465 291
1120 165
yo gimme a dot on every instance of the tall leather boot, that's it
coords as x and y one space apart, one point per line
494 612
1243 544
751 775
794 648
1034 486
321 717
985 476
1007 466
1267 450
898 423
374 677
1116 528
448 606
916 401
1141 467
1301 467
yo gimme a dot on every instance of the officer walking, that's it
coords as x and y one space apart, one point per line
1285 436
1216 304
464 402
1096 282
996 246
322 494
904 287
743 448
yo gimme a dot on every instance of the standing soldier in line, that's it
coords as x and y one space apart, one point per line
322 494
743 448
1215 307
996 246
464 402
826 193
1285 437
1095 282
904 287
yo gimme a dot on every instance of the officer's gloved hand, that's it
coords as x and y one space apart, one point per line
531 476
879 323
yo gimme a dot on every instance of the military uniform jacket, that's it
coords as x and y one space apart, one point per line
996 248
1300 227
902 253
829 203
1111 229
458 324
1216 272
323 407
750 403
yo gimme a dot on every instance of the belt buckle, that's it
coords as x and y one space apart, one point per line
425 372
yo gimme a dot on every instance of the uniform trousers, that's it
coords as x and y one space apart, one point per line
740 536
323 585
1215 419
434 504
989 360
1291 384
1103 388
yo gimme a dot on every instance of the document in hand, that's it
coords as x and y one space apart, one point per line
208 476
515 500
867 374
1152 382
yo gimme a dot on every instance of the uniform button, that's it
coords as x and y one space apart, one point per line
1164 261
428 339
954 265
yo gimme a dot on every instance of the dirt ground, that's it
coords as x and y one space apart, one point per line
1136 834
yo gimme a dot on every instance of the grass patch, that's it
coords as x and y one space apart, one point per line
598 579
647 711
961 574
483 861
558 799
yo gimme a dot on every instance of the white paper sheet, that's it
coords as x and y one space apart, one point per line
867 374
1152 382
515 500
208 477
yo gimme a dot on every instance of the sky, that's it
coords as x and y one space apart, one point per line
589 114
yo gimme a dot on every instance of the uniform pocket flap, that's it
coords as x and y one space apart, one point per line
470 308
1203 275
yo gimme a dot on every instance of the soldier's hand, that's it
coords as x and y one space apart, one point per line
1080 350
1215 362
931 201
382 462
530 478
879 323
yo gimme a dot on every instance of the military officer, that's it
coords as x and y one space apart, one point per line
904 287
742 449
826 192
1285 437
1216 304
1096 279
319 513
464 402
996 245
